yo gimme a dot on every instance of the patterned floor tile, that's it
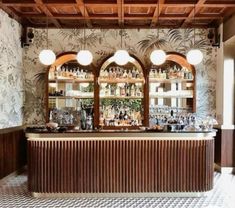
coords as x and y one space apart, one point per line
14 193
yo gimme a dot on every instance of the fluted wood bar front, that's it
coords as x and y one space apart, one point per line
120 164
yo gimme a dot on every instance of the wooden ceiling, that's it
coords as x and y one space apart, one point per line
119 13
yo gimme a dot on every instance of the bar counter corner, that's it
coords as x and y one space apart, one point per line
120 164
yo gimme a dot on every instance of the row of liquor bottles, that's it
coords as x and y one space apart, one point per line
65 73
172 73
121 89
111 116
120 72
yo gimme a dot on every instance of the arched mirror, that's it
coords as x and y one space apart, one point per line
171 87
121 94
71 93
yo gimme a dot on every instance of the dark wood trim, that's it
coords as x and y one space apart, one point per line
11 129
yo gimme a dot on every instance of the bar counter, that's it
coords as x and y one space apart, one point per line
120 163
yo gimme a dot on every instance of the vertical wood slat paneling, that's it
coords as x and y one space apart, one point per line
12 151
120 166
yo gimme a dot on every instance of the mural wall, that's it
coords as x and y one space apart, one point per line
103 42
11 73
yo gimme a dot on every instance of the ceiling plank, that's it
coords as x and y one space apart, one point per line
47 12
155 15
84 12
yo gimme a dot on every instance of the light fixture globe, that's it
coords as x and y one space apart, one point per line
121 57
158 57
47 57
194 56
84 57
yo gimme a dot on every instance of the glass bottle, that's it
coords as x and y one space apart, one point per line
129 74
132 90
125 74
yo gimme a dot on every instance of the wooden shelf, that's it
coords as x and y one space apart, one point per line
118 80
71 97
121 97
157 80
70 80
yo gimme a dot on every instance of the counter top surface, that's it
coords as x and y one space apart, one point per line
117 134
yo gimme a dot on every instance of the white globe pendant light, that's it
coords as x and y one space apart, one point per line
194 56
121 57
158 57
47 57
84 57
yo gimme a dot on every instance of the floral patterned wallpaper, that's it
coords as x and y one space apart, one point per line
11 73
103 42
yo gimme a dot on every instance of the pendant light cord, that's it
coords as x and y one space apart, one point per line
121 23
84 24
47 28
158 11
194 20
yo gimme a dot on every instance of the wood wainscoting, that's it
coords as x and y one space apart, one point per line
13 150
225 148
117 166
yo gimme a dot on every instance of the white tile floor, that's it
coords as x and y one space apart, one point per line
14 193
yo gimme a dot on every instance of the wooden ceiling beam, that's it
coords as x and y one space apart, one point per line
112 17
155 14
121 11
47 12
27 3
194 11
114 26
84 12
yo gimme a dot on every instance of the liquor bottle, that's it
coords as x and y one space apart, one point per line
160 74
132 90
133 73
114 75
125 116
138 92
129 74
164 74
117 93
110 73
151 73
125 74
120 115
127 89
105 74
122 90
141 75
107 90
112 90
59 73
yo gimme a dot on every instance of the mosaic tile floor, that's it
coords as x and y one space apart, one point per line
13 193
